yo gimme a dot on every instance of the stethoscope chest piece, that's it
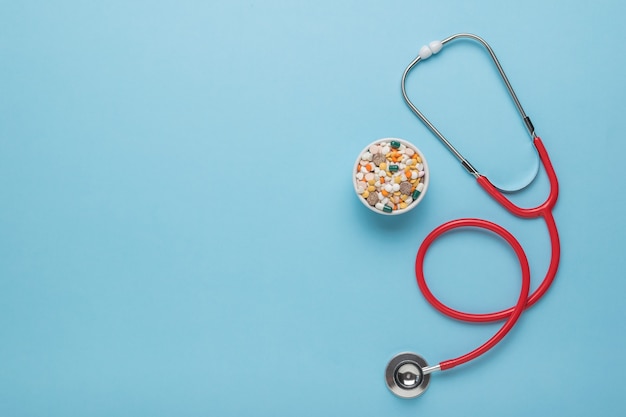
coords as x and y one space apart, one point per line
405 376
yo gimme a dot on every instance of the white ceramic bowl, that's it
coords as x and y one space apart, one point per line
425 179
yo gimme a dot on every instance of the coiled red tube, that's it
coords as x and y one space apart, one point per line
511 315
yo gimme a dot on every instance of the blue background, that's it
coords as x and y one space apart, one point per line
179 234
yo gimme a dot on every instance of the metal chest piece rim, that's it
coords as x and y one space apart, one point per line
405 377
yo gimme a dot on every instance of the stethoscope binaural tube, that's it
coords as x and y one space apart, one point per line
525 300
434 48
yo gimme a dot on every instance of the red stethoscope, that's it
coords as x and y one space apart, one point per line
408 374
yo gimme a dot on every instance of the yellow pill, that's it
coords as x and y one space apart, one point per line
371 182
403 197
418 159
413 181
365 194
397 193
403 205
371 188
382 165
397 179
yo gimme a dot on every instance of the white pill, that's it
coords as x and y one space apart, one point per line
413 175
362 162
386 149
380 196
364 170
360 190
388 187
376 170
409 151
396 187
384 200
401 166
420 167
366 156
420 187
425 52
403 177
435 46
359 175
420 174
377 184
374 149
409 200
379 206
369 176
402 147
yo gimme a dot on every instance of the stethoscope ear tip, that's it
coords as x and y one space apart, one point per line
405 375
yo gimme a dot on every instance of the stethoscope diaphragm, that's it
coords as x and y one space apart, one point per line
405 375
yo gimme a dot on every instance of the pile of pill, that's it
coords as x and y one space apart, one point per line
389 176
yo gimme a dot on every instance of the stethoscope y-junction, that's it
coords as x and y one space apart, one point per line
408 374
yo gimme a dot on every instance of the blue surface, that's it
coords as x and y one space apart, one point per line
179 234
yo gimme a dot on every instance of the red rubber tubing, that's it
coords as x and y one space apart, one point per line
541 209
512 314
516 311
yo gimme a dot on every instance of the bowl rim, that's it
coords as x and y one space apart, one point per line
413 204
